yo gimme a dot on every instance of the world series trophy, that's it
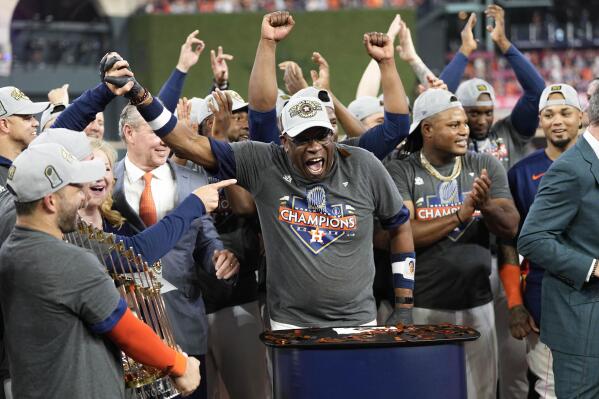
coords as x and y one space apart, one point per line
139 286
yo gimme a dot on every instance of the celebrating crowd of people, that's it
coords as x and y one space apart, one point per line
291 210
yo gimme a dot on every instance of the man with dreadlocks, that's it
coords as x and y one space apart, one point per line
456 198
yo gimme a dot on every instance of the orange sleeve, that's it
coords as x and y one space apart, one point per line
139 342
510 278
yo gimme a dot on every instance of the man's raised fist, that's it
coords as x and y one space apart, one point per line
379 46
116 74
277 25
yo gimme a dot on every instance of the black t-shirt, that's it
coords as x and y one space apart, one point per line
453 273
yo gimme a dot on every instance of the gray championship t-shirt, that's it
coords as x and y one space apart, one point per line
7 222
3 174
50 293
318 235
504 143
453 273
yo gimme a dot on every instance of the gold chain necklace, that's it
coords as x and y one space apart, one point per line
457 168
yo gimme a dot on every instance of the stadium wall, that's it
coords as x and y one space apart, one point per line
154 43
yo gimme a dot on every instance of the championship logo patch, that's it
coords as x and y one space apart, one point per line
305 109
482 88
212 102
315 222
11 172
446 201
52 176
18 95
235 96
67 155
449 192
556 88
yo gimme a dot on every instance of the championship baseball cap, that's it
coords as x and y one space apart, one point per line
432 102
469 91
46 168
302 113
77 143
238 102
49 115
199 110
381 97
363 107
569 93
282 99
14 102
321 94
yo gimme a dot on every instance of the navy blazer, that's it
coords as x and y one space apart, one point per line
560 234
185 306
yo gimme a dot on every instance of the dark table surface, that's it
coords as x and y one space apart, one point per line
348 337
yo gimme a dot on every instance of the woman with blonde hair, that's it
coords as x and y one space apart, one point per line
153 242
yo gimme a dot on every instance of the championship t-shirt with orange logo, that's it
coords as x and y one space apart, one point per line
317 234
453 273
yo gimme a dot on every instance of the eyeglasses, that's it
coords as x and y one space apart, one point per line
322 137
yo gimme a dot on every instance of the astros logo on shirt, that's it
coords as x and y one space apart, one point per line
314 221
446 201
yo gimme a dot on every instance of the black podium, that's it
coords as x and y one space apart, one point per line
413 362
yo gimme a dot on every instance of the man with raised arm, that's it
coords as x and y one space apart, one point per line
316 200
380 140
506 139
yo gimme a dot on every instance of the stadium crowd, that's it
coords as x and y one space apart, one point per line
291 210
227 6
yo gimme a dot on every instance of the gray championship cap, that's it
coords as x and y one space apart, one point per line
282 99
363 107
46 168
569 93
302 113
77 143
238 104
14 102
49 115
432 102
199 110
469 91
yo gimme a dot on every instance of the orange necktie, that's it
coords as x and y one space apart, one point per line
147 207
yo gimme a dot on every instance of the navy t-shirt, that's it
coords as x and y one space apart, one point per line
524 179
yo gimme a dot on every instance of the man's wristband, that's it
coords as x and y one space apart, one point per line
404 300
458 217
510 277
139 100
224 85
158 117
403 267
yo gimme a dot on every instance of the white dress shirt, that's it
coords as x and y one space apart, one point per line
594 143
164 191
